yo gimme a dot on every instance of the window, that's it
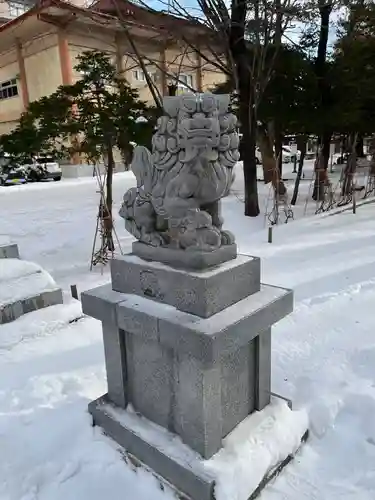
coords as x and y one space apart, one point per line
17 8
139 75
185 81
8 89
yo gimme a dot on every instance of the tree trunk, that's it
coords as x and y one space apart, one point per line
372 166
279 150
348 183
325 9
268 158
247 149
277 125
108 220
246 98
172 89
299 173
359 147
271 171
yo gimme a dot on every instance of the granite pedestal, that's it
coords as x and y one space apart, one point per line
189 351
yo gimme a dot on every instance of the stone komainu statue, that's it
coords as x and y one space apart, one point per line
176 203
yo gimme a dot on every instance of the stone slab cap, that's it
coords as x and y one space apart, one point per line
202 293
185 259
157 449
100 303
203 338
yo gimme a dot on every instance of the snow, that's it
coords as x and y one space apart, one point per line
323 354
49 449
22 280
39 324
4 240
258 444
162 439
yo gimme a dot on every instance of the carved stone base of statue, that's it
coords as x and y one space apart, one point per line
185 259
189 351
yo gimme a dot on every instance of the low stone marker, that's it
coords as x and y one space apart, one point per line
8 250
186 321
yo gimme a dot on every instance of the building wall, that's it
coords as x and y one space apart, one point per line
43 76
181 64
42 66
211 77
4 10
10 109
80 43
43 69
178 61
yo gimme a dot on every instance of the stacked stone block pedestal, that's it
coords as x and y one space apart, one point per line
187 350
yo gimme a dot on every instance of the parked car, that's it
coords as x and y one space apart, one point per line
310 155
51 168
41 169
12 176
339 158
289 156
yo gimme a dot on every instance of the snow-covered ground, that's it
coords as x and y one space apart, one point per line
54 223
323 354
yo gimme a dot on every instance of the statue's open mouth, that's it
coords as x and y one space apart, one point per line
202 137
200 132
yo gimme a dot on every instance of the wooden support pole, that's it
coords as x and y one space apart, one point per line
65 61
22 75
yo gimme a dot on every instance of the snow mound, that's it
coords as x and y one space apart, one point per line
39 324
49 450
4 240
22 280
255 447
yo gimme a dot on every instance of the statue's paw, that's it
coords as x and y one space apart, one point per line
205 239
227 238
211 238
154 239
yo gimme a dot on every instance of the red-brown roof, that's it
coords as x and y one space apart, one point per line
129 11
123 10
